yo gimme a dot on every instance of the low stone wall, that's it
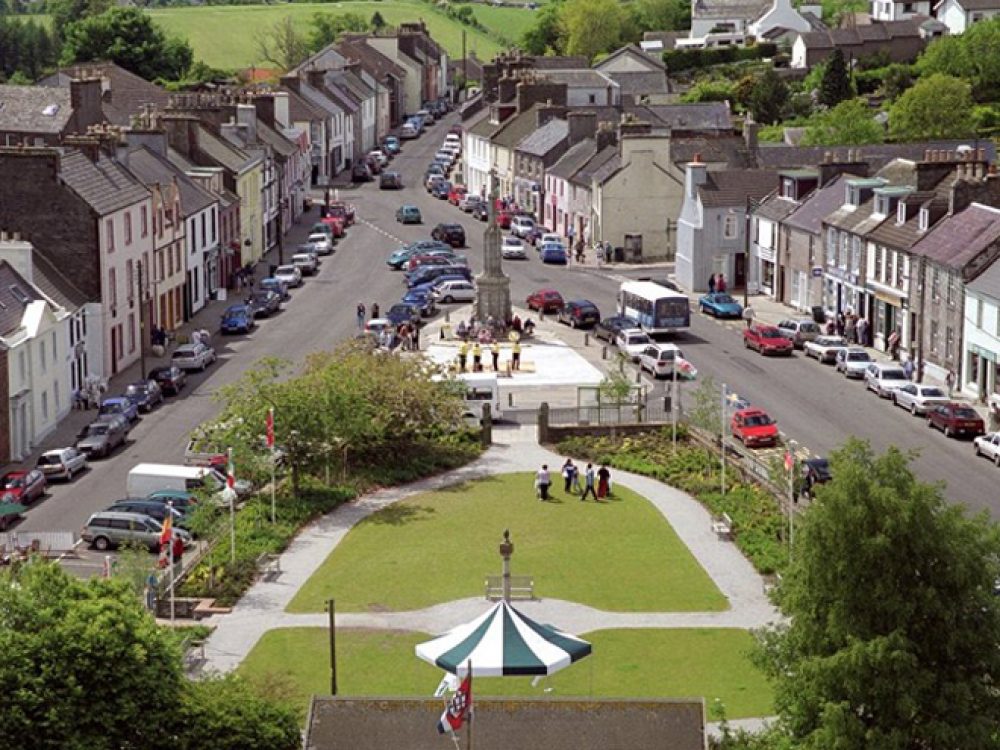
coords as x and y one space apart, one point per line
555 435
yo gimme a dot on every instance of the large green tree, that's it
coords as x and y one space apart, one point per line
130 38
836 84
663 15
936 106
65 12
590 27
327 27
545 35
971 56
850 123
892 623
768 97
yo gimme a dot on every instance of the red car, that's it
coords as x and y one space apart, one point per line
956 419
504 218
545 300
22 486
335 223
456 194
428 260
767 340
341 210
754 428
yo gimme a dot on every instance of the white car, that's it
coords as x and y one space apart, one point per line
659 359
289 274
408 132
379 157
853 361
453 139
62 463
825 348
193 356
884 377
454 291
919 399
632 342
307 263
512 248
469 202
546 239
521 225
445 155
988 445
321 243
452 148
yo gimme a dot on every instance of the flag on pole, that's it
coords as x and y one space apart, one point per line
270 429
168 529
458 707
230 470
789 460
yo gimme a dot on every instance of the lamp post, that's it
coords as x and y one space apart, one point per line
506 550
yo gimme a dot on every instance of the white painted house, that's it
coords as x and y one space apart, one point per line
981 337
959 15
899 10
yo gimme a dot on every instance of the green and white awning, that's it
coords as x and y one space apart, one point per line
503 642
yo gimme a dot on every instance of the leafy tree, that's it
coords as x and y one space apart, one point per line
545 36
130 38
327 28
65 12
768 98
836 84
896 79
591 26
850 123
971 56
377 21
710 91
937 106
891 619
282 44
663 15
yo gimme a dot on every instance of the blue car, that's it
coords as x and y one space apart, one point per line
422 299
238 319
120 406
403 312
391 144
553 253
398 258
279 287
720 305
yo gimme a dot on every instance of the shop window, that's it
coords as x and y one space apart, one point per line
972 368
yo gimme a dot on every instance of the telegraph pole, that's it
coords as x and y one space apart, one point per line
142 319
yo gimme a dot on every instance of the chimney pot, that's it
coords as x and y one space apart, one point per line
697 158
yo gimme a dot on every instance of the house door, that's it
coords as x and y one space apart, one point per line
114 352
739 270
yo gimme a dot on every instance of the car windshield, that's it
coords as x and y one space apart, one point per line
808 327
110 408
136 390
894 375
770 333
638 338
830 341
47 458
758 420
667 355
97 429
286 269
932 392
964 412
724 299
858 357
11 483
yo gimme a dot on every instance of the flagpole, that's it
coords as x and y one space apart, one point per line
170 510
270 444
232 506
469 711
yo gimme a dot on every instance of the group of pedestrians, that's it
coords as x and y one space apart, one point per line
596 484
717 283
857 330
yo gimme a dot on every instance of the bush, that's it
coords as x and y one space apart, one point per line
686 59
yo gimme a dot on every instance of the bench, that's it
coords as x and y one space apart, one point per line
723 527
269 565
521 587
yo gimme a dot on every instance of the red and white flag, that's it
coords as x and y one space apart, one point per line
230 471
789 461
458 708
270 429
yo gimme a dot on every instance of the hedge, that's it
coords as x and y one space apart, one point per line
687 59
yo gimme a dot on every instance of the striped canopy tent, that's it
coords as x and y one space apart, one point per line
503 642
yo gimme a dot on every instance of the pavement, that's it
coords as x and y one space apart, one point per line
515 450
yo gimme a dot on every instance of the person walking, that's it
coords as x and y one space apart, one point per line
908 368
477 357
375 310
515 355
463 353
588 478
850 329
542 482
495 353
949 381
894 338
862 328
361 316
416 338
603 483
841 323
748 315
711 284
568 471
720 285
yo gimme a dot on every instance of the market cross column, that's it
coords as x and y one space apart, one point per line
493 285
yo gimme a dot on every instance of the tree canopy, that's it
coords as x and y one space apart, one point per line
971 56
545 36
130 38
835 85
892 621
768 97
591 26
935 107
850 123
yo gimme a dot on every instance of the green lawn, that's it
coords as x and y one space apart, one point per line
436 547
508 23
709 663
223 35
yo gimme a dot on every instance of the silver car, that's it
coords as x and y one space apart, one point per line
853 361
799 331
108 529
307 263
289 274
632 342
919 399
193 356
62 463
884 377
825 348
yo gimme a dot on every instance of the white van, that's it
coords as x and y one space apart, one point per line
145 479
480 388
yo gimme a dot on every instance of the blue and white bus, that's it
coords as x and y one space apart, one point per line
658 309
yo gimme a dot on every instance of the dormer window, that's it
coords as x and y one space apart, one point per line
924 219
853 196
885 205
787 187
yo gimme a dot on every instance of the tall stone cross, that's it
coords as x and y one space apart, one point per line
493 285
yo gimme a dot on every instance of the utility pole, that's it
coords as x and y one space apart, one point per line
142 318
465 64
921 276
331 608
746 256
722 436
281 228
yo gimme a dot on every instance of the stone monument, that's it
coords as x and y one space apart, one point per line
493 285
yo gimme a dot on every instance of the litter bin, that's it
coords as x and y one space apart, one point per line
619 255
819 314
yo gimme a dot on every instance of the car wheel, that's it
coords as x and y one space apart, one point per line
448 299
102 543
913 409
996 459
947 431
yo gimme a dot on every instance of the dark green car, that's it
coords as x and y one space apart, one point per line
408 215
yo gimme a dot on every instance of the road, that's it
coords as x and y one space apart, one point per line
812 404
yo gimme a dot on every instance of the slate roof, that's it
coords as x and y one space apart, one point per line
12 305
301 109
976 4
517 128
574 158
639 83
318 98
226 198
281 145
51 282
776 208
728 149
729 9
959 238
602 164
124 95
559 62
579 77
23 109
104 184
878 31
821 203
732 187
370 58
484 127
546 138
987 283
701 116
634 50
152 168
223 152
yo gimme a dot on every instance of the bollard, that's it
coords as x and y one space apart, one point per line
447 317
586 339
638 375
510 399
604 352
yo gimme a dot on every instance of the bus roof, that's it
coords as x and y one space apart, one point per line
650 289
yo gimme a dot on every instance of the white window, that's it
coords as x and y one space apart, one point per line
949 342
831 246
855 254
22 365
55 393
979 313
42 359
731 227
55 347
796 282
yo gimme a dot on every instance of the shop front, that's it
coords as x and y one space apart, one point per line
889 314
842 293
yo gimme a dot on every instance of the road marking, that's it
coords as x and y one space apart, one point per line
71 551
381 231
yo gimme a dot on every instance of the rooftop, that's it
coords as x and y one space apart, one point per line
547 137
104 184
958 239
34 109
124 93
731 188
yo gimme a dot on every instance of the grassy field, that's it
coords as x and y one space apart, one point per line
223 35
707 663
620 555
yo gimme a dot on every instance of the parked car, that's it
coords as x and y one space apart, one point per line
193 356
545 300
170 378
264 303
433 179
720 305
337 224
403 312
546 239
766 340
456 194
441 190
754 428
814 471
658 359
853 361
279 287
512 248
469 203
307 263
379 157
433 273
151 508
61 463
453 234
455 291
100 438
632 342
480 211
423 299
919 399
988 445
555 254
238 319
953 419
23 486
318 243
408 215
799 331
883 378
289 274
408 132
361 172
145 395
391 144
325 229
180 499
120 405
825 348
521 225
419 261
579 313
108 529
374 165
390 181
609 328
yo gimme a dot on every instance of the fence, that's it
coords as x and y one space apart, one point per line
47 543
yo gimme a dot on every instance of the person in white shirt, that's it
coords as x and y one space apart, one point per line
542 482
